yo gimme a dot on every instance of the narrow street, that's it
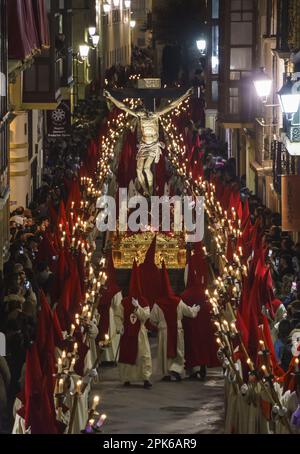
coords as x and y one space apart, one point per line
189 407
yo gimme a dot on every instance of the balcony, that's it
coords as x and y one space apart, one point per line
52 70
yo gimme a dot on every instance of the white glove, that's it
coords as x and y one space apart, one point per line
135 303
197 308
275 409
282 411
244 389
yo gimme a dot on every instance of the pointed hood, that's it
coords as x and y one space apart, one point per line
150 255
149 273
112 283
166 288
135 289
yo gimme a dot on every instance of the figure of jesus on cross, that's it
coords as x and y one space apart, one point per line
150 148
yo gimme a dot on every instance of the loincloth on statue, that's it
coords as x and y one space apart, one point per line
152 150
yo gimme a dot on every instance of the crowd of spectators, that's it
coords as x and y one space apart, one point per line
282 251
25 274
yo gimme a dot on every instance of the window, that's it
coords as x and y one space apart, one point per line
234 100
241 58
241 5
215 91
215 9
215 50
241 33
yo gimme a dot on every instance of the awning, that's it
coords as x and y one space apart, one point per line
28 28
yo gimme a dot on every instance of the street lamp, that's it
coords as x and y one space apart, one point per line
106 8
263 85
289 98
132 23
95 40
84 51
201 45
92 31
127 3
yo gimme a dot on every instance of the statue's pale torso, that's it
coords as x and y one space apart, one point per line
149 129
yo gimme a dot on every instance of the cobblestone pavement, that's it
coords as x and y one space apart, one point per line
188 407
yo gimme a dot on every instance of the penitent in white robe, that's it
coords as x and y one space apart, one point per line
82 408
167 365
110 354
142 370
19 424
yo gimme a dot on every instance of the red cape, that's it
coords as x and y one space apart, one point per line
199 338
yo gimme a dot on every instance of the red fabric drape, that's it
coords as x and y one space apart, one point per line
19 45
42 23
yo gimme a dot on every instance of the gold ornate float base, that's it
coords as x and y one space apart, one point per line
126 248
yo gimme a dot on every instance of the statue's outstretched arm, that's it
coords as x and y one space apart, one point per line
175 103
119 104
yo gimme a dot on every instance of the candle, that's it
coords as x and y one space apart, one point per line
233 327
89 427
297 365
60 363
63 356
217 324
265 371
262 345
101 421
61 386
219 342
72 330
72 365
250 364
75 347
96 402
78 386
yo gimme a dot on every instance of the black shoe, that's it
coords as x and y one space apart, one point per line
127 384
147 384
167 378
175 377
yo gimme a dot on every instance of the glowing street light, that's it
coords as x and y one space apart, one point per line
95 40
289 98
132 23
84 51
92 31
106 8
127 3
201 46
263 85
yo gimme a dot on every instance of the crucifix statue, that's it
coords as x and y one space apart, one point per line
150 147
